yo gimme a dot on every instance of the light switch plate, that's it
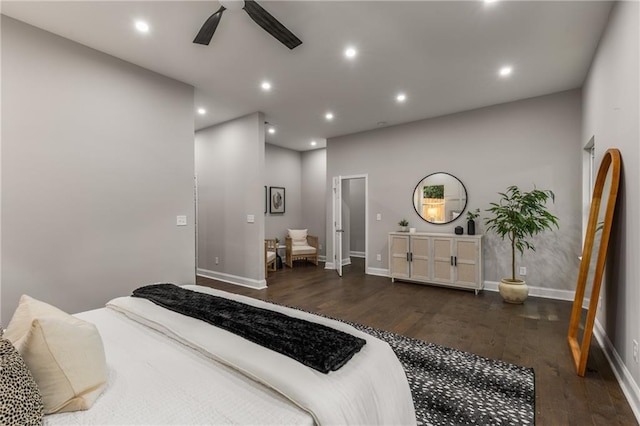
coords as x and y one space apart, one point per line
181 220
251 218
379 216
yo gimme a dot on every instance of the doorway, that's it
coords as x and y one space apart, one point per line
351 230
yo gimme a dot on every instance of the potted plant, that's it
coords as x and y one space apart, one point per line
472 215
519 216
404 225
277 242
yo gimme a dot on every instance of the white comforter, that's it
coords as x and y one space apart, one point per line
370 389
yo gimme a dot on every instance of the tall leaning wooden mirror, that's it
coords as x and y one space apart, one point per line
594 255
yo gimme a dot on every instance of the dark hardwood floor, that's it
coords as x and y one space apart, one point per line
532 334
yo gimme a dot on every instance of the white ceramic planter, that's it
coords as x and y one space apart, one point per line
513 292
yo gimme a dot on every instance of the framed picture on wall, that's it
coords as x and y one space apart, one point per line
276 200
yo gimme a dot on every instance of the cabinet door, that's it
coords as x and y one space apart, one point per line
467 260
420 258
442 263
398 256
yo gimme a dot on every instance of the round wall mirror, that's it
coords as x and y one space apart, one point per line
439 198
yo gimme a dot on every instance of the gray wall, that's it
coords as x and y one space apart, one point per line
356 216
520 143
611 110
97 161
314 194
283 168
230 172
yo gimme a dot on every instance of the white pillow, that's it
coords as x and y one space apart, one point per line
298 237
28 309
64 354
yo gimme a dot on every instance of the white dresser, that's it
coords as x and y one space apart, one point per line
442 259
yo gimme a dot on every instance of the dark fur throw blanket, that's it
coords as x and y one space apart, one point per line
314 345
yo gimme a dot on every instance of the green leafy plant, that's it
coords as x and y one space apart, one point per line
433 191
277 240
519 216
473 214
403 222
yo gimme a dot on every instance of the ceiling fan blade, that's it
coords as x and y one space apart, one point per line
206 32
271 24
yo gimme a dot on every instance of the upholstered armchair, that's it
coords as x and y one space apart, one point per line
269 256
299 245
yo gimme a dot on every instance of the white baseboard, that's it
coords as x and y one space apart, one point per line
331 265
378 271
232 279
625 379
357 254
322 258
548 293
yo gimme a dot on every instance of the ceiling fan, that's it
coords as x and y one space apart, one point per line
255 12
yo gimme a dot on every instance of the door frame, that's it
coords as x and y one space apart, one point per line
339 181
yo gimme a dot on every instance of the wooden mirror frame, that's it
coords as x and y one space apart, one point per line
580 352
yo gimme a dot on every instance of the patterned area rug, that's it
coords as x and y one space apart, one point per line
452 387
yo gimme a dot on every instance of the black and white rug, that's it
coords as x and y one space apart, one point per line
452 387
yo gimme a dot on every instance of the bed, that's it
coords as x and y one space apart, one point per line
167 368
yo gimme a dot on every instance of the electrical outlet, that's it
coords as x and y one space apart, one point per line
379 216
217 260
181 220
378 257
635 350
523 270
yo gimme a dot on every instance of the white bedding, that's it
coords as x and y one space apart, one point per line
156 380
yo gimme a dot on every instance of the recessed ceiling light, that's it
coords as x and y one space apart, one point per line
202 111
490 1
329 116
401 97
505 71
313 143
142 26
266 86
271 130
350 52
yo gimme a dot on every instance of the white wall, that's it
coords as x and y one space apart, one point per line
314 193
520 143
230 172
283 168
97 161
611 115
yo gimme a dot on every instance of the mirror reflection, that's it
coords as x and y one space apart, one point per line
604 201
439 198
594 254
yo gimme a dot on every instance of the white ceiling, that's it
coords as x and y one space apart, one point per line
444 55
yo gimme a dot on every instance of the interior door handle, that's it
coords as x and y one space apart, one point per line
455 260
451 260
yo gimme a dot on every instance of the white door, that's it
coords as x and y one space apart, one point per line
337 224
